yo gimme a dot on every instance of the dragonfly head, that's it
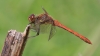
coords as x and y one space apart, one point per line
31 18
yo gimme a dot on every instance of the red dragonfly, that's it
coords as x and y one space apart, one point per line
37 21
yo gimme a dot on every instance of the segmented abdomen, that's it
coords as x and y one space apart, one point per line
56 23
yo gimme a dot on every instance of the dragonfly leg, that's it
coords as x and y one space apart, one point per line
32 29
37 30
35 35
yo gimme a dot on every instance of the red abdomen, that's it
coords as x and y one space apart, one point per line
56 23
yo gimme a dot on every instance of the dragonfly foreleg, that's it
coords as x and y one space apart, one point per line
36 33
36 30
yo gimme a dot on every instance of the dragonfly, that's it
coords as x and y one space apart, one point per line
45 19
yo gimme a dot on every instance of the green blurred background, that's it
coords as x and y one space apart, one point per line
82 16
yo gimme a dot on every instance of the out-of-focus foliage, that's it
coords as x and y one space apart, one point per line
82 16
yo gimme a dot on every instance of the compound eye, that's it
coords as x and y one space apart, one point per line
31 18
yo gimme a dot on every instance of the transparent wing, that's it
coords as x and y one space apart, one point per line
45 28
52 31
